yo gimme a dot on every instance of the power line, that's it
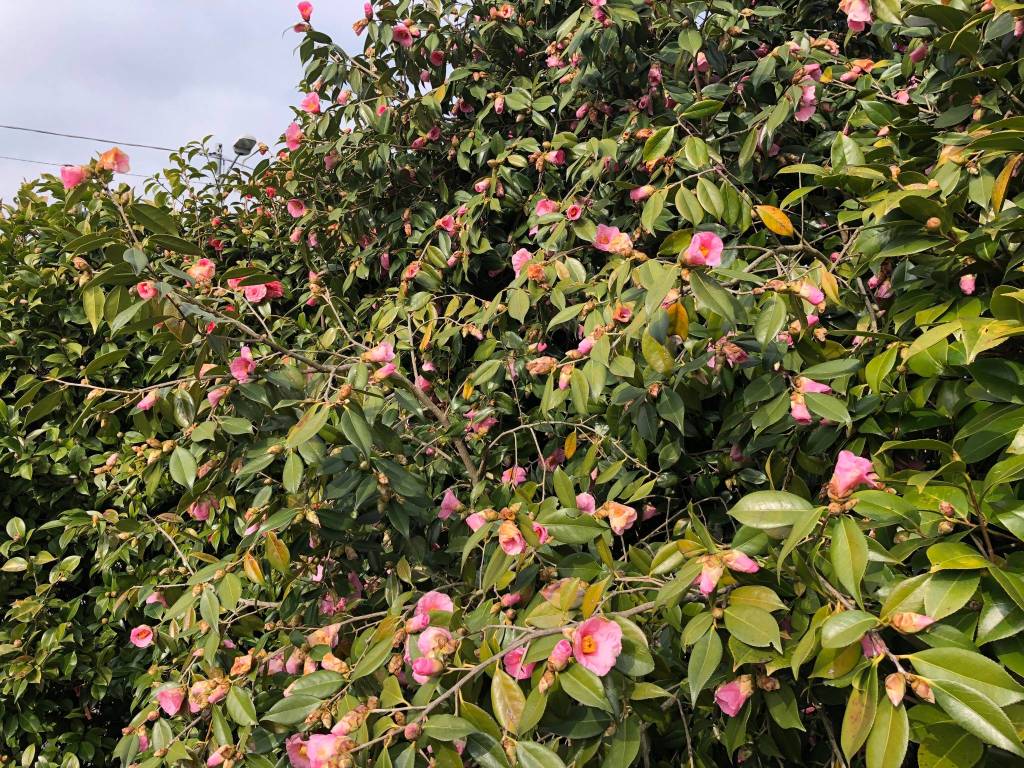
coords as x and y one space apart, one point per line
87 138
59 165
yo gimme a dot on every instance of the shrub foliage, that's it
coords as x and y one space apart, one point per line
580 384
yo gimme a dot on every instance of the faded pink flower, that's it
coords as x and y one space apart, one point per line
148 401
611 240
967 284
803 384
808 103
641 193
72 175
433 639
382 353
311 103
476 521
296 208
545 206
541 532
433 601
437 58
214 396
620 517
447 223
322 748
812 293
200 508
141 636
513 476
908 623
402 35
560 655
295 747
858 13
202 271
450 504
384 371
511 538
243 366
851 471
157 598
514 664
425 668
740 562
704 250
114 160
217 756
730 697
597 644
798 409
711 571
586 503
520 259
146 290
293 136
170 700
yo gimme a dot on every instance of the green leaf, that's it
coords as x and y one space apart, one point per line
659 144
971 670
656 355
827 407
710 295
533 755
947 592
291 710
240 706
93 300
635 658
584 686
507 700
771 317
704 660
977 714
770 509
320 684
624 746
448 728
308 426
183 466
849 555
859 716
372 660
947 746
844 628
752 626
889 737
954 555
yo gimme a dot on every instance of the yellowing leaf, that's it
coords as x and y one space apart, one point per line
1003 181
570 446
775 219
678 321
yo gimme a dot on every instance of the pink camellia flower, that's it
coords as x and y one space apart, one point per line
296 208
711 571
433 639
255 293
541 532
967 284
425 668
382 353
482 186
520 259
560 655
730 697
297 752
545 206
384 371
513 476
311 103
704 250
585 503
597 644
148 401
586 344
858 13
514 664
203 270
851 471
511 538
476 521
450 504
511 599
556 157
434 601
157 598
200 508
641 193
447 223
72 175
437 58
114 160
214 396
322 748
803 384
872 645
293 136
918 54
170 700
402 35
146 290
812 293
620 517
573 212
343 97
740 562
808 103
243 365
798 409
908 623
141 636
305 10
611 240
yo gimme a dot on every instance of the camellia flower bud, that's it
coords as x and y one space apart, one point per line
908 623
895 688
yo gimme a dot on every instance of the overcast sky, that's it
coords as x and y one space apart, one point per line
157 72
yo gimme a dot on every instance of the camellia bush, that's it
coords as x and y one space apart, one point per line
576 384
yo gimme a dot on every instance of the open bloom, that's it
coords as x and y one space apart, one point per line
433 601
514 664
203 270
511 538
293 136
620 517
520 259
243 365
967 283
434 640
597 644
146 290
731 697
200 508
170 700
611 240
305 10
296 208
704 250
545 206
513 476
858 13
72 175
585 503
311 103
402 35
382 353
851 471
114 160
450 504
141 636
